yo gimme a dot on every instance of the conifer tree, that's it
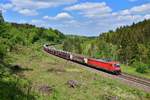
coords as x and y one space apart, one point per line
1 17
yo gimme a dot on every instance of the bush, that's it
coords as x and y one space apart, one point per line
140 67
2 51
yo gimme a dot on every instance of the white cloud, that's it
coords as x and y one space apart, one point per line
125 12
92 17
28 12
129 18
46 17
23 6
96 18
143 9
137 10
104 19
101 10
5 7
90 9
86 6
147 16
61 16
133 14
36 21
39 4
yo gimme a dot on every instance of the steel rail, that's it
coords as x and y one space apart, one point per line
136 79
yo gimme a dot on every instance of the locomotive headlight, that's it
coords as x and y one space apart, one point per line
85 60
45 46
71 56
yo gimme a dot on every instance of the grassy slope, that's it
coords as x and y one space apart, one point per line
132 70
92 86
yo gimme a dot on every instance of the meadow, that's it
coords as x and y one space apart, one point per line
53 78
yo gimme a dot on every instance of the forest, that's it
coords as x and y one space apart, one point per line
13 34
130 45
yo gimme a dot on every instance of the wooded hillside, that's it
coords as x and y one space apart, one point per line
13 38
132 41
128 44
12 34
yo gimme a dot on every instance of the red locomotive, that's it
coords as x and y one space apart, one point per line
110 66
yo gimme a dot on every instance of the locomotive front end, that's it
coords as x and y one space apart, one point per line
117 68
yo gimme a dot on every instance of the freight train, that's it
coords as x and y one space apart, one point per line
109 66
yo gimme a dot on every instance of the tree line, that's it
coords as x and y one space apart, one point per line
128 44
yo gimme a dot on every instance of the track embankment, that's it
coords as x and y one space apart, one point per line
131 80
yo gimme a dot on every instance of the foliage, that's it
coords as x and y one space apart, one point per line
140 67
73 44
126 44
13 37
133 42
2 51
132 70
13 88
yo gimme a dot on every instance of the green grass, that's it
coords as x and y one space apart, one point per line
132 70
48 70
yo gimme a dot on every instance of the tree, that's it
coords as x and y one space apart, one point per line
2 51
2 31
1 17
2 25
67 45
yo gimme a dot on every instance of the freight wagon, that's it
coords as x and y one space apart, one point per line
110 66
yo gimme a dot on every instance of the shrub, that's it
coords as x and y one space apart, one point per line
140 67
2 51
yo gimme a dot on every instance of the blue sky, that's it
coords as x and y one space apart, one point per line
79 17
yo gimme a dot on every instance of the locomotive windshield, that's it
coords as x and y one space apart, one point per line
116 65
107 59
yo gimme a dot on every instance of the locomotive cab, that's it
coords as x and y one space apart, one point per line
117 68
117 65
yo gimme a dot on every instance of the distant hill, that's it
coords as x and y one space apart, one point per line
39 33
12 34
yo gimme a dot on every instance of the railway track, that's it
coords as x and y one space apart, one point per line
142 81
129 79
